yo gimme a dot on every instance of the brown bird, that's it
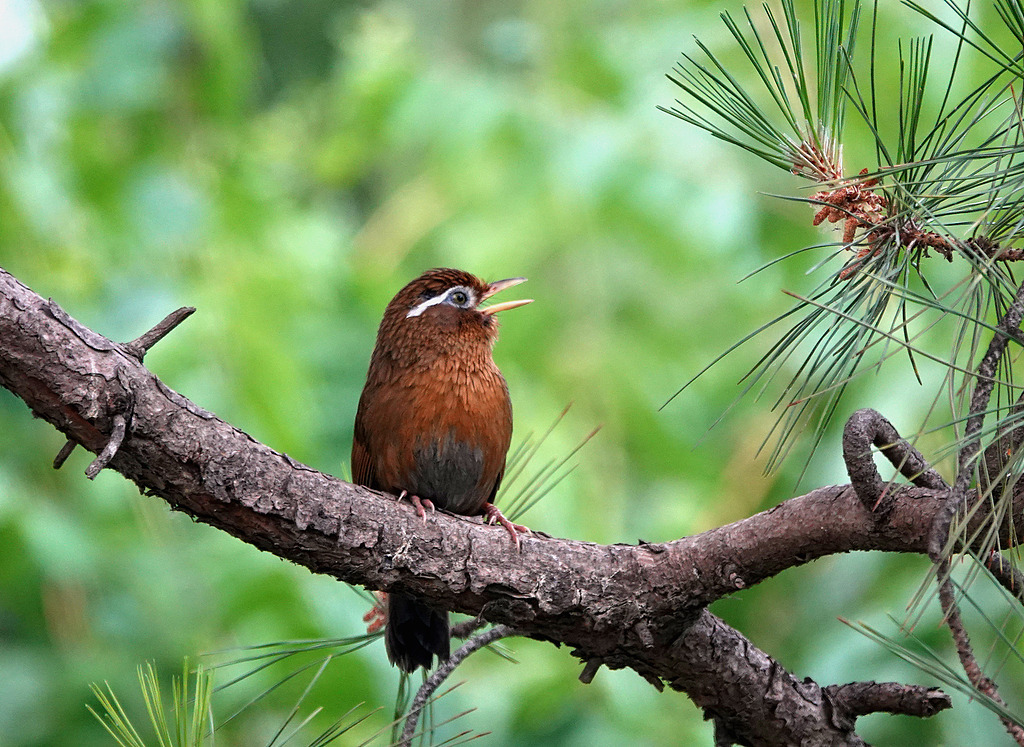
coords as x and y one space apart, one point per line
434 424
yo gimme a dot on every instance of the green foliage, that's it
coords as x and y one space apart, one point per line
192 722
188 724
947 180
808 139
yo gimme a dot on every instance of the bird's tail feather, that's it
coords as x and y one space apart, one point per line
415 634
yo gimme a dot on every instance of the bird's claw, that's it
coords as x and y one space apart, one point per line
494 516
420 504
377 617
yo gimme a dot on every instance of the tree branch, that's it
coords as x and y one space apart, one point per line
625 606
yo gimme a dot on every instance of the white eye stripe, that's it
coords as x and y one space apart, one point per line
420 308
444 297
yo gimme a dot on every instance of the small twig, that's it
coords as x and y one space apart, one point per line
965 652
466 628
64 453
866 427
1006 574
113 444
1008 326
1007 255
985 247
141 344
861 698
587 675
441 674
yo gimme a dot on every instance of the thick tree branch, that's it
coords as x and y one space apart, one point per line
625 606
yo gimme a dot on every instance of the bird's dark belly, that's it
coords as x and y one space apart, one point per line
449 472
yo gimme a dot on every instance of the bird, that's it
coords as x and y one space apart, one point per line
433 425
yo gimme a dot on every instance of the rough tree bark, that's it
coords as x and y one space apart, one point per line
637 606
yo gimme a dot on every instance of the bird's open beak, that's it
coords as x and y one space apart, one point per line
498 286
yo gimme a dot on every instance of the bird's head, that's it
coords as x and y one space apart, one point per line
444 305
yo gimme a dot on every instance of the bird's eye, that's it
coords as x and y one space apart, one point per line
459 298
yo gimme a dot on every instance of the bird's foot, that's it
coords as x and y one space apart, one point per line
494 516
377 617
421 504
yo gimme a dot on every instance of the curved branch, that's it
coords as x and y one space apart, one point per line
866 427
111 447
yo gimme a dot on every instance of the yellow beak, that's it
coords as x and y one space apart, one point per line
498 286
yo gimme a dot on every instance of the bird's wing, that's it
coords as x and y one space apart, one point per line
362 465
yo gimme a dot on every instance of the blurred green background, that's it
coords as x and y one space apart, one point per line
286 167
